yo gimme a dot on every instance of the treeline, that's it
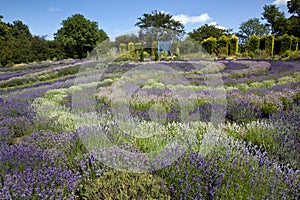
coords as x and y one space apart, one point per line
270 45
78 36
19 45
74 39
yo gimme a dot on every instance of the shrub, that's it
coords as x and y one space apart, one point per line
277 45
131 48
121 185
260 54
210 44
286 43
122 48
223 44
154 48
242 111
138 49
296 55
234 44
262 43
253 43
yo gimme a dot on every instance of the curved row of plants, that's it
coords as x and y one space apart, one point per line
52 143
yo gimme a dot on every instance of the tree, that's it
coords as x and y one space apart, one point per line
39 48
293 26
294 21
250 27
20 30
159 20
21 43
253 27
102 36
79 36
207 31
276 19
294 7
6 50
186 46
126 39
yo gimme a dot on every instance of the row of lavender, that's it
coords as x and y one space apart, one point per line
41 160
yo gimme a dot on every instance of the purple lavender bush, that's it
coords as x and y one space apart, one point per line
234 170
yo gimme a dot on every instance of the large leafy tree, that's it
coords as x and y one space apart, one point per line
39 48
79 36
159 20
6 50
294 20
21 43
276 19
207 31
294 7
253 26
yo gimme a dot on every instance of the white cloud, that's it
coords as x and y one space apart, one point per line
185 19
280 2
216 25
53 9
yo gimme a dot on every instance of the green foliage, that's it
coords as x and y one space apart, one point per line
296 55
223 45
269 44
6 38
122 185
79 36
138 50
154 51
210 44
293 26
122 48
294 7
295 43
126 39
160 20
131 48
259 54
253 26
234 44
262 43
276 19
22 42
253 43
187 46
286 43
207 31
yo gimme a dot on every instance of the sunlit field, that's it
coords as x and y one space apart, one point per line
82 129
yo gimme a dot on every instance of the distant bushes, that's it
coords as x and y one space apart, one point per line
256 47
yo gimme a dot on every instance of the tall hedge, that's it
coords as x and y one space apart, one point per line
253 43
131 48
262 43
210 44
122 48
223 45
234 44
138 48
269 44
154 47
286 43
277 45
295 42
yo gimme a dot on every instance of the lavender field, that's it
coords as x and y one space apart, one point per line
158 130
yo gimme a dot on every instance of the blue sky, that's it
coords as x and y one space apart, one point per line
119 16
